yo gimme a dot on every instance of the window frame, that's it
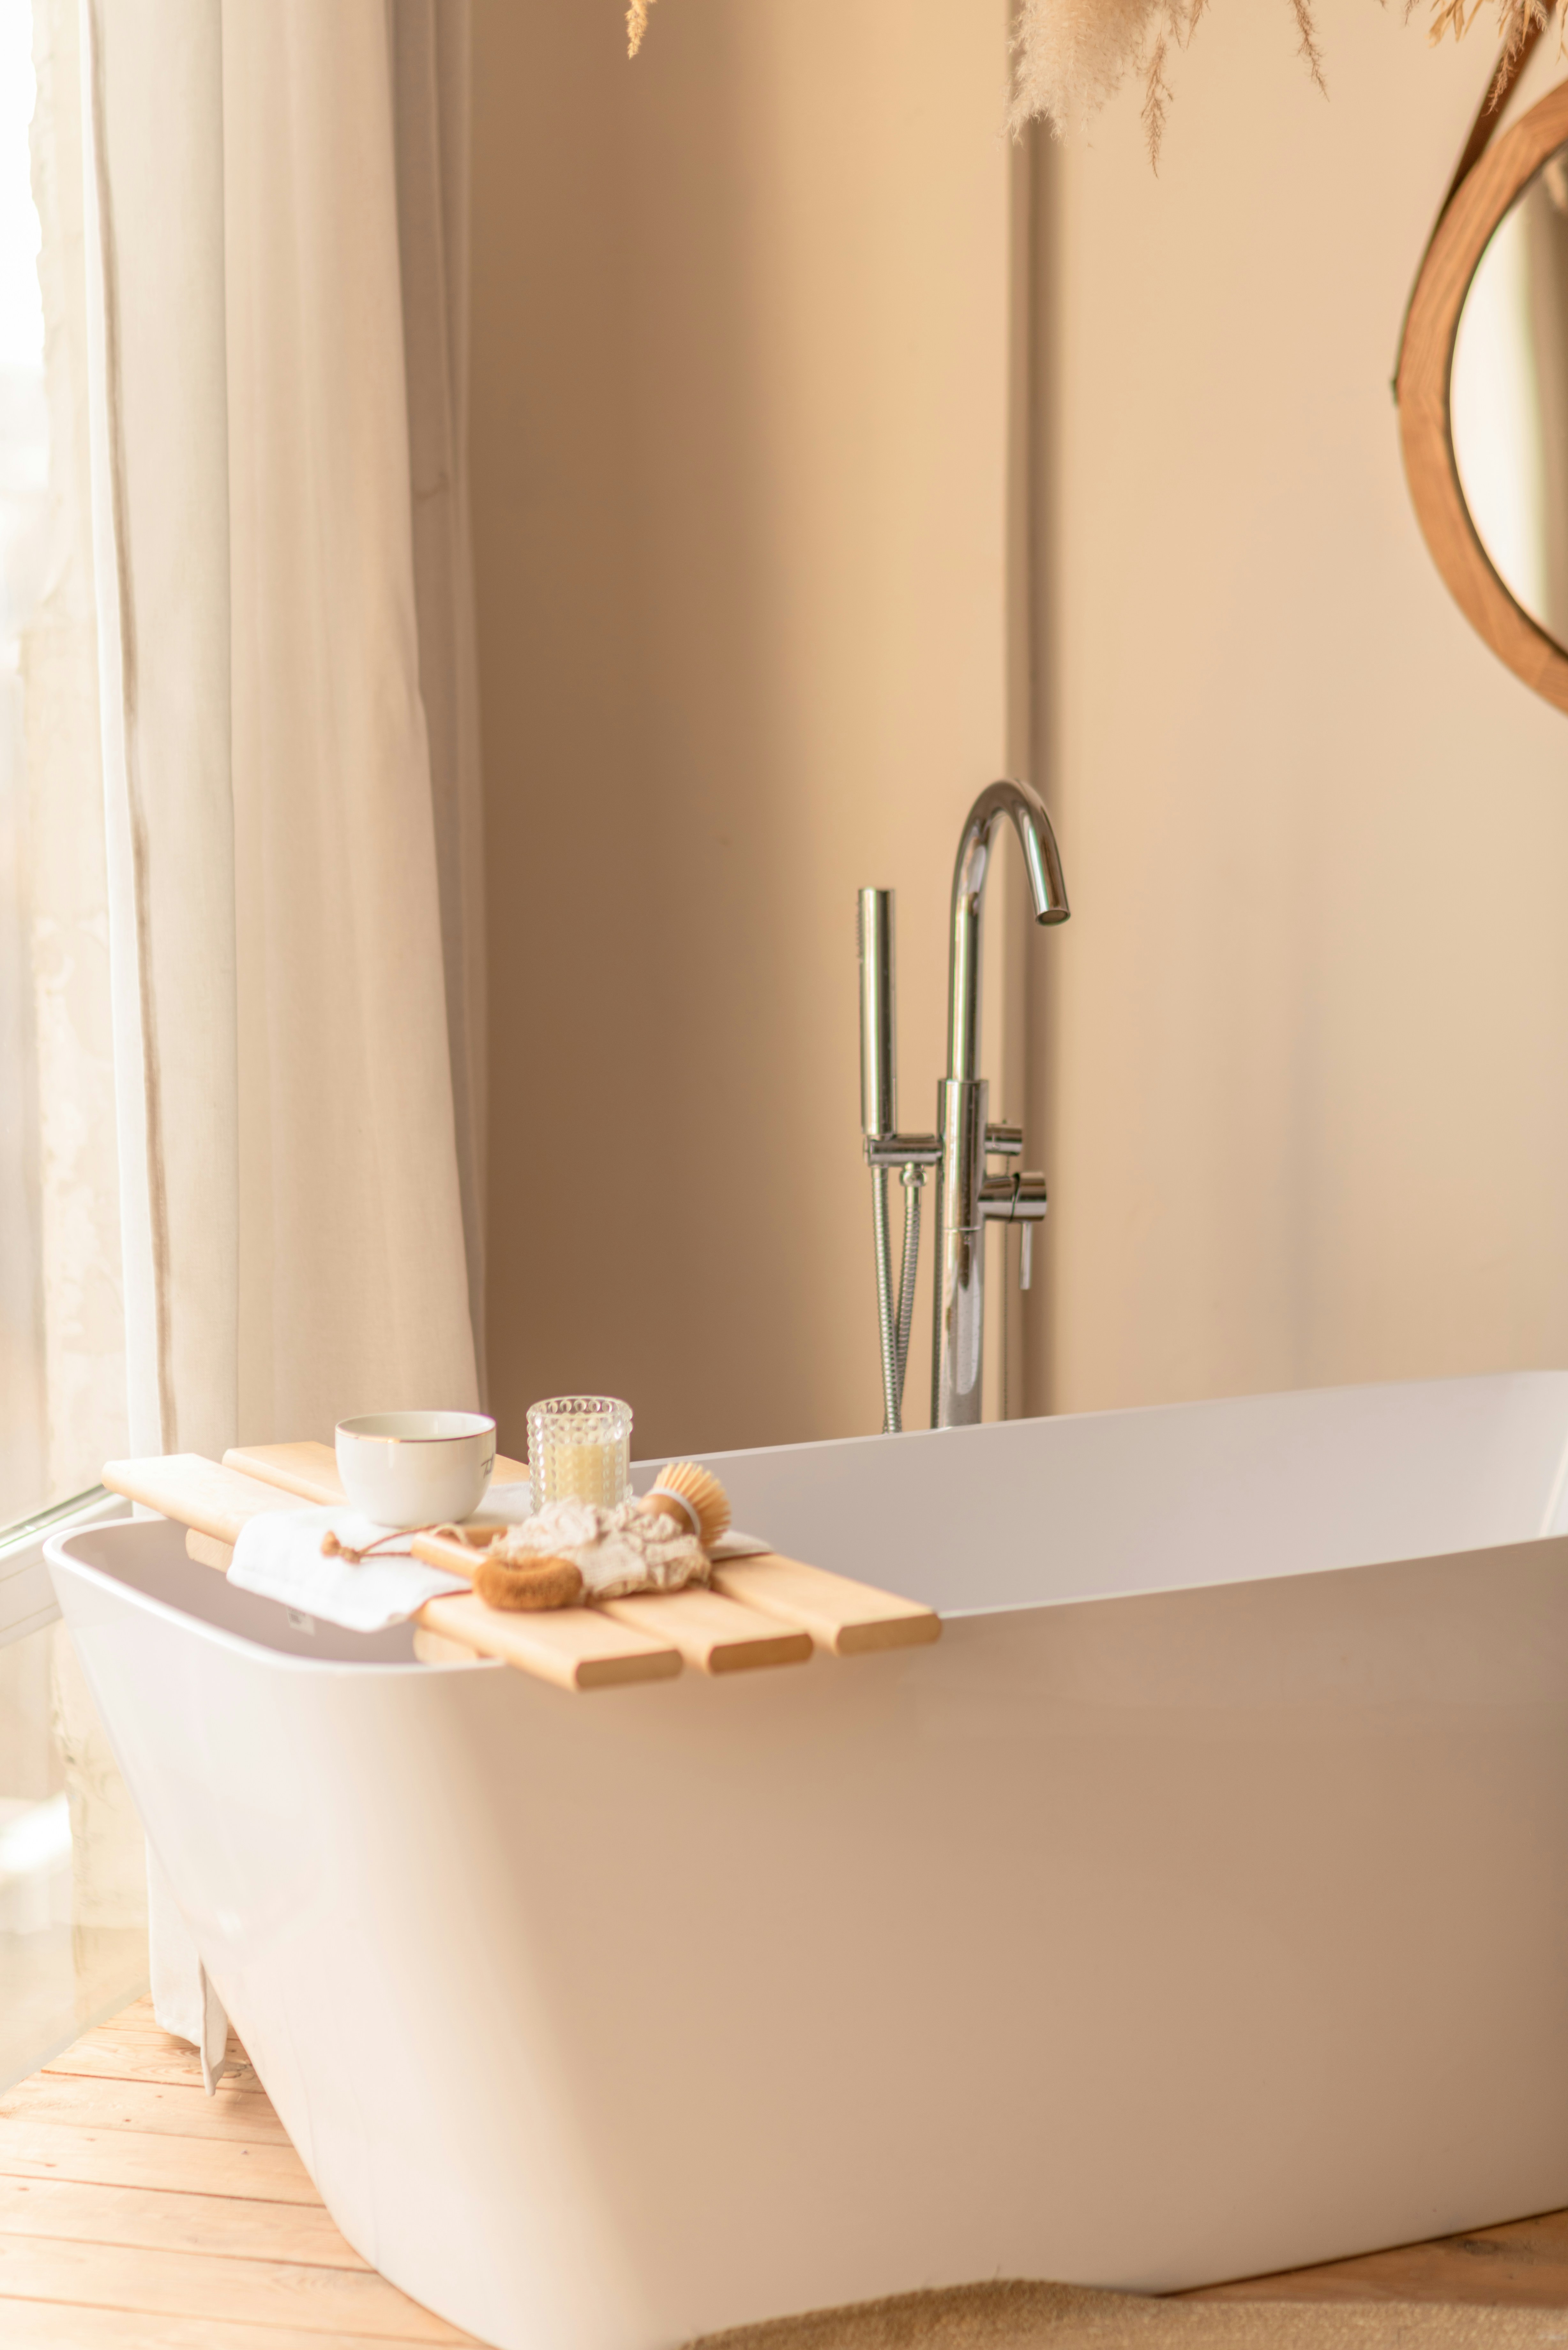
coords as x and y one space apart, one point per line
28 1600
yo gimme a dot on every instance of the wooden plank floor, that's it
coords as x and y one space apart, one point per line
137 2213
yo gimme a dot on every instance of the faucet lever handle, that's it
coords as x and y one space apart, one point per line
1015 1198
1005 1139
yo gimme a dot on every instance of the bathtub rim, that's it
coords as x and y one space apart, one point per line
61 1560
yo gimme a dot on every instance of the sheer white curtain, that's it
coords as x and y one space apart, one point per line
275 258
274 321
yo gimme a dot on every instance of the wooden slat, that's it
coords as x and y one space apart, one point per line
715 1633
245 2116
140 2023
852 1620
307 1471
219 2225
132 2030
430 1648
452 1557
339 2301
576 1648
197 1492
61 2326
124 2157
711 1632
310 1470
102 2056
207 1551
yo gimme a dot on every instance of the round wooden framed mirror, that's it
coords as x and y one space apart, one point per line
1482 389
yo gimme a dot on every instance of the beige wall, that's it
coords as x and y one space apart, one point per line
747 593
1310 1036
740 461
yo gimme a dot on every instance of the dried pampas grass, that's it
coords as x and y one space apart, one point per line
1071 56
635 25
1515 20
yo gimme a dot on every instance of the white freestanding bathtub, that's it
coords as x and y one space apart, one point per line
1198 1906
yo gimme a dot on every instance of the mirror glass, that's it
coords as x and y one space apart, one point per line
1507 398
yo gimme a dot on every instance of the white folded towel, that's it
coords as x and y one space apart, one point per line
279 1555
736 1545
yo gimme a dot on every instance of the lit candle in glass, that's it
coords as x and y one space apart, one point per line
579 1449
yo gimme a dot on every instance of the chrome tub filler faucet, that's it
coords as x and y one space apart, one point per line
967 1197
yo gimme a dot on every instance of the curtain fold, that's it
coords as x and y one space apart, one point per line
276 233
277 259
354 1286
74 1139
158 431
430 82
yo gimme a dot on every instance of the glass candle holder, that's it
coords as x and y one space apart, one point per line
579 1449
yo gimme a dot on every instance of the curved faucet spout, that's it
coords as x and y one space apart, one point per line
1047 891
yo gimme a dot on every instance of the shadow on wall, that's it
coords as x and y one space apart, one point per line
738 418
631 923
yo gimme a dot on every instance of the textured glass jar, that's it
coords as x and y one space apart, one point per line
579 1449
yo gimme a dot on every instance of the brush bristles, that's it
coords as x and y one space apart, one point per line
542 1583
702 1491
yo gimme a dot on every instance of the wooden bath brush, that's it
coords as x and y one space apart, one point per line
693 1497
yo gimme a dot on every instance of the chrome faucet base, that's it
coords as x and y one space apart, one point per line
960 1264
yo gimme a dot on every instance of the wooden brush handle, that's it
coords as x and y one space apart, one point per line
659 1505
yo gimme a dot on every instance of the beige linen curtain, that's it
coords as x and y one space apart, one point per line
272 307
276 252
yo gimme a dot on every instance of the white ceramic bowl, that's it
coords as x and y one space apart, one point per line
416 1467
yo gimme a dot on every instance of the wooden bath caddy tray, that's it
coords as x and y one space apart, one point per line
760 1611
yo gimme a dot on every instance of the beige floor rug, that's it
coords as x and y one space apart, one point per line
1072 2317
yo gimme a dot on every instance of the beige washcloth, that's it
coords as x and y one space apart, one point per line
1073 2317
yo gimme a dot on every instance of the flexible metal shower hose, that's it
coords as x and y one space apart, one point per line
886 1316
894 1320
906 1274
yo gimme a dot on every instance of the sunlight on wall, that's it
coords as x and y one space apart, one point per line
1308 1027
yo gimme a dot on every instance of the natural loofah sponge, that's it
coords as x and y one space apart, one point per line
616 1551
